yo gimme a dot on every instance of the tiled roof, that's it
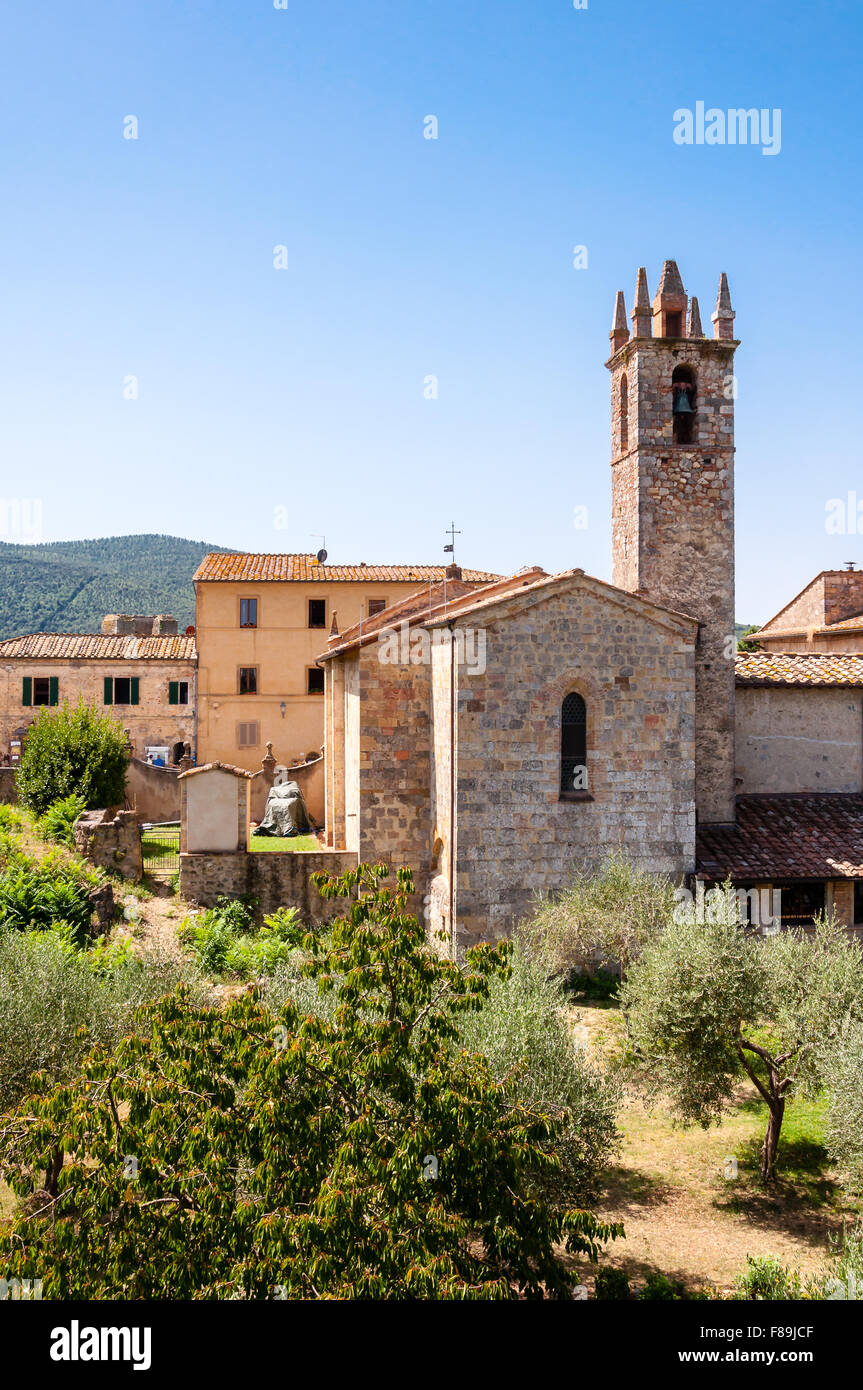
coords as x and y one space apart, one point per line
798 668
218 767
94 646
807 835
304 569
413 608
846 625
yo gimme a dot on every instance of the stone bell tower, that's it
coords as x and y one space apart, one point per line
672 463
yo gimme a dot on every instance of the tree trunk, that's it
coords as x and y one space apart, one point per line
771 1140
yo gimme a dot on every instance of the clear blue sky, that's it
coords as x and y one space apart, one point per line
302 389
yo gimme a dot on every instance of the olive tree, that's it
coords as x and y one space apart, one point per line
709 1002
605 916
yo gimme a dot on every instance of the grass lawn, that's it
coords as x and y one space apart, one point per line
682 1215
160 844
267 844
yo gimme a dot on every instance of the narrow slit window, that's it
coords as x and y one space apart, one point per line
573 745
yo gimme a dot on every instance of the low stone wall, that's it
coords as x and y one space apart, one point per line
153 792
280 879
8 786
110 844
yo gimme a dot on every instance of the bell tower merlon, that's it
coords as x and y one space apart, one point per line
672 461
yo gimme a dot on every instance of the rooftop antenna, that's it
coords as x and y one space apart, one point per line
322 553
850 564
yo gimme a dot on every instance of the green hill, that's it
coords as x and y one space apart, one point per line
69 586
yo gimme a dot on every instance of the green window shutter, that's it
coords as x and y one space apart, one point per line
109 690
173 692
53 690
27 690
135 687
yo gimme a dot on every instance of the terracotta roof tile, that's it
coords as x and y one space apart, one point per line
854 624
802 835
798 668
94 646
304 569
218 767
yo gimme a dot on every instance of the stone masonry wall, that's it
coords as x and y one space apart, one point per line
799 740
516 836
673 529
394 763
276 880
113 844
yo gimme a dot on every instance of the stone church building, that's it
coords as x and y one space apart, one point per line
495 737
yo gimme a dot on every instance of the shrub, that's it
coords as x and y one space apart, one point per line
223 940
10 819
41 894
56 1002
68 751
604 917
59 820
360 1157
611 1283
843 1076
766 1280
659 1287
522 1031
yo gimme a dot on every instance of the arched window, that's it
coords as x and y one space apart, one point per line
573 744
624 414
683 405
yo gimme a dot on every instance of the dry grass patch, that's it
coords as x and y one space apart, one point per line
682 1215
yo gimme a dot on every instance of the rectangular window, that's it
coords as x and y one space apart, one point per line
248 612
40 690
314 680
248 735
122 690
178 692
800 903
248 680
858 900
376 605
317 612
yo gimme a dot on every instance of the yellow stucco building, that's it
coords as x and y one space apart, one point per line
261 623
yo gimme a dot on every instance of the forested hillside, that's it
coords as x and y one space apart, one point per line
69 586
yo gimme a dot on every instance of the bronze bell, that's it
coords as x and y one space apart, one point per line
682 403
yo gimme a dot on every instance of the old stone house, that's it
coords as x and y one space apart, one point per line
826 616
493 740
138 669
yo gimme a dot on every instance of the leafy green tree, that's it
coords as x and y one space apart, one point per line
73 751
709 1002
243 1153
744 645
